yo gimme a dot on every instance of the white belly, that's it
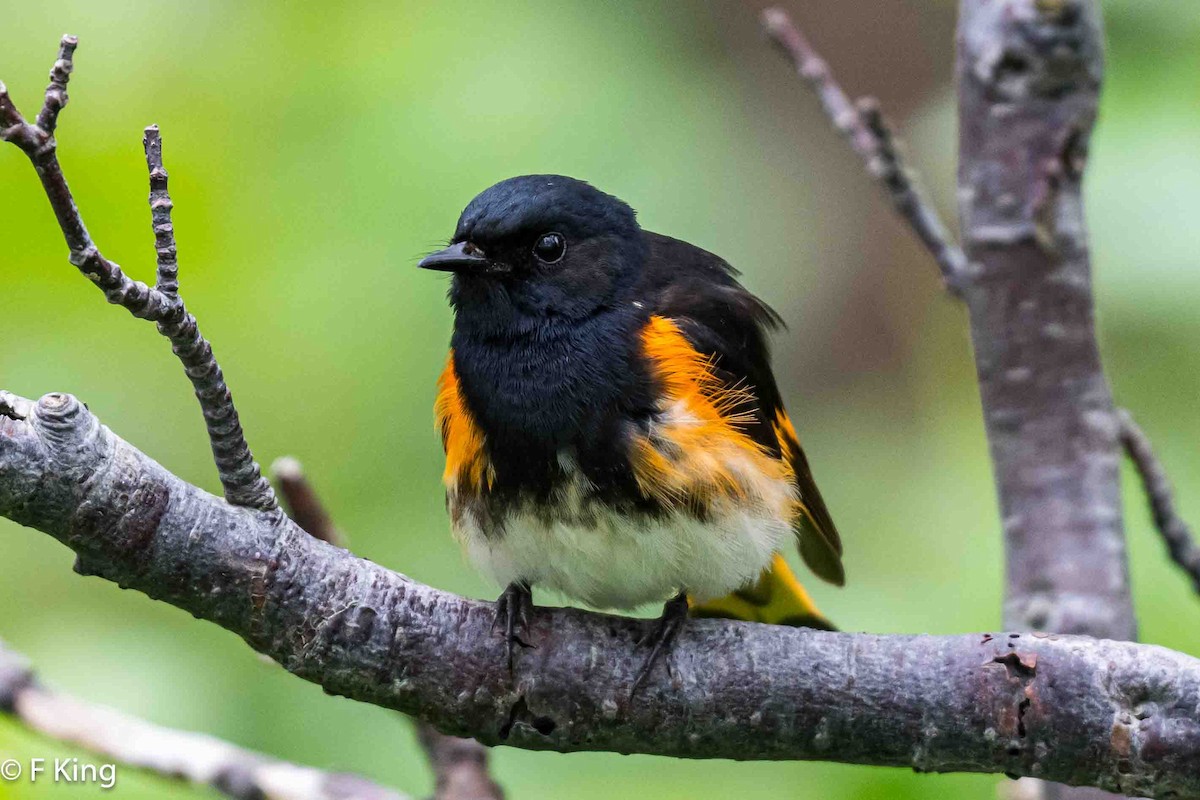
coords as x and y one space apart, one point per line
609 560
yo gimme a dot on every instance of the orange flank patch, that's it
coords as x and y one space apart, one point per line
697 450
467 465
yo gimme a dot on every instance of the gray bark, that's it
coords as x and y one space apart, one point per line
1117 715
1029 76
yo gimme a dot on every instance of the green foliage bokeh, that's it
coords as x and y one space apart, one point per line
316 151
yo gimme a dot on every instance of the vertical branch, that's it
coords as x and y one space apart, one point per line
1029 75
160 216
56 92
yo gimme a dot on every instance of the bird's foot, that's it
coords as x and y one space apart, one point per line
660 635
512 618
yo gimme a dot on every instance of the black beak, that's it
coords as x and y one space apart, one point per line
461 257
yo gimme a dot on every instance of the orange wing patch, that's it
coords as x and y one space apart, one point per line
467 465
697 450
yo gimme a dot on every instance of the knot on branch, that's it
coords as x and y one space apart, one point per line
60 418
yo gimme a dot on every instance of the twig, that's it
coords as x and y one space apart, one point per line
56 92
1119 715
302 503
1029 75
160 216
1181 544
460 766
240 476
863 126
199 759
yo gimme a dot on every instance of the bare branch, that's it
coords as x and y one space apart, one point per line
1029 75
1181 544
239 474
866 131
460 766
1118 715
194 757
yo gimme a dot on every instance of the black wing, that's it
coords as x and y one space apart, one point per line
701 293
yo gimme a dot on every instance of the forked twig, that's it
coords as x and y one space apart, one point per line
240 476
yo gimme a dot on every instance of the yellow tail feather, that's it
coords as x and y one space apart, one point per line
777 598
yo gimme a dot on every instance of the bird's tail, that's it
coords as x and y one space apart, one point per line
776 598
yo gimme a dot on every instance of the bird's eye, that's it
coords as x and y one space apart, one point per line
550 247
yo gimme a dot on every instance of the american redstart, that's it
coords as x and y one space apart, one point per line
611 424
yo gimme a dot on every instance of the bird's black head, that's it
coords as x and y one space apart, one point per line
538 251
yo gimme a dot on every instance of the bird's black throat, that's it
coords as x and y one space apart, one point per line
552 394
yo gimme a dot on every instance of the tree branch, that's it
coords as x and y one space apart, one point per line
199 759
1029 75
1029 72
1181 544
1118 715
862 124
239 474
460 766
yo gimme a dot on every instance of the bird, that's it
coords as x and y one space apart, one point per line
612 428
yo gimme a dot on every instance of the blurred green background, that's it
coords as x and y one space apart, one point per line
316 151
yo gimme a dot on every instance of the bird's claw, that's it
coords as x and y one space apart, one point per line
512 618
660 635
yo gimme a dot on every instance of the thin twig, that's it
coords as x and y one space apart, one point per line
56 92
1177 534
160 214
460 766
199 759
240 477
863 126
302 503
